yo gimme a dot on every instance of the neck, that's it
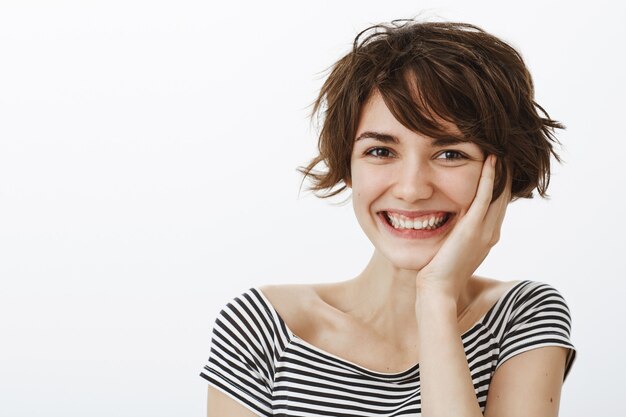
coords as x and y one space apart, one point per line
383 296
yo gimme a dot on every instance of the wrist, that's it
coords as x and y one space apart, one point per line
430 302
436 289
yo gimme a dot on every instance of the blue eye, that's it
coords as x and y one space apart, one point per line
378 155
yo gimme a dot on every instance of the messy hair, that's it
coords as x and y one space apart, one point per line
428 71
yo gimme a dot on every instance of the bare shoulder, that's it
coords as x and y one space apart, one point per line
311 310
495 286
485 293
299 305
490 290
286 294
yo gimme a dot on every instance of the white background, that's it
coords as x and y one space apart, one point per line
148 154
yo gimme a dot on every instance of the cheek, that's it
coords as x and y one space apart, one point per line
368 181
461 186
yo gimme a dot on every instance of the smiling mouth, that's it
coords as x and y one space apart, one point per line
425 223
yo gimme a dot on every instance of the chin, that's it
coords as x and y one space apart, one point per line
408 261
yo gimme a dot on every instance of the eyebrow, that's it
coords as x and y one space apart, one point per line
385 138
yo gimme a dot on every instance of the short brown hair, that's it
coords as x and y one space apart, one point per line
462 74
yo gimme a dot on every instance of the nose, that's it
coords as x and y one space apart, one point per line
414 181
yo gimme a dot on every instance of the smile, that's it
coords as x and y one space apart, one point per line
424 227
429 222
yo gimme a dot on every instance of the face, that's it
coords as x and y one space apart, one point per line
396 187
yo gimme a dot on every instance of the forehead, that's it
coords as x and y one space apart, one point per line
375 117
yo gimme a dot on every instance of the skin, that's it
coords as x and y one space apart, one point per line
414 175
411 293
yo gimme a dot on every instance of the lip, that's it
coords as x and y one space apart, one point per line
417 234
415 214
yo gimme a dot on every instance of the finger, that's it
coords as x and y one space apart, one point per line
496 213
482 199
506 199
497 208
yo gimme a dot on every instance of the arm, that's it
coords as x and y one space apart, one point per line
219 405
239 369
528 384
446 382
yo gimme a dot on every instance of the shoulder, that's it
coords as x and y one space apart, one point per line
534 314
533 294
520 294
302 307
541 304
249 317
245 345
288 299
489 289
527 300
244 305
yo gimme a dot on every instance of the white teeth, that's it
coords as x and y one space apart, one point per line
431 223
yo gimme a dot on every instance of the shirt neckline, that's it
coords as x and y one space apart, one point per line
368 371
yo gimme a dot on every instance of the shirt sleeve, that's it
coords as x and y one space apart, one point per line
240 360
540 317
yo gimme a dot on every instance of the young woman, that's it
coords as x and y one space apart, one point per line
434 128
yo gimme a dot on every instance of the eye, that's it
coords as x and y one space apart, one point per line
451 155
380 155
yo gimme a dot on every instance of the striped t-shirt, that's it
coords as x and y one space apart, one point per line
256 360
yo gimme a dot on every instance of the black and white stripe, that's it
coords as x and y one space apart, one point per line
258 361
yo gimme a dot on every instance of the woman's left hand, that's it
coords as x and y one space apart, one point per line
470 240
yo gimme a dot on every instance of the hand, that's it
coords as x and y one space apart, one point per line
470 240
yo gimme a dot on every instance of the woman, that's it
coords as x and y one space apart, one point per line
434 129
